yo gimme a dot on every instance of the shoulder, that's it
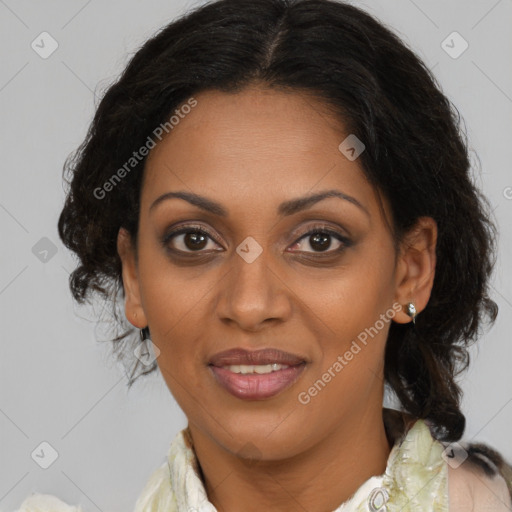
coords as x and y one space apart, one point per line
46 503
482 483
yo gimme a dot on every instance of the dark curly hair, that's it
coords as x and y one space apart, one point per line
416 156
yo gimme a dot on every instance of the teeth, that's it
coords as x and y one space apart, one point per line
260 368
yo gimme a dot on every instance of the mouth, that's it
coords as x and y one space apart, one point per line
256 375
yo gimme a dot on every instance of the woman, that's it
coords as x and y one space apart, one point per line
281 194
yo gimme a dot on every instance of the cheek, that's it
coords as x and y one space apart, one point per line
350 312
174 304
171 295
349 298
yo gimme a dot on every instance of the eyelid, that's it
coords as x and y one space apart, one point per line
320 226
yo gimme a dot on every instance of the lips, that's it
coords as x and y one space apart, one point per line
254 386
239 356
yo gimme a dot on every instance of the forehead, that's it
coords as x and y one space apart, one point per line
258 146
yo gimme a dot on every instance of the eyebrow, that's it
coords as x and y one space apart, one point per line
284 209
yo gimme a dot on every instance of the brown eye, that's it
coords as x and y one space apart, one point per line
195 240
189 239
320 240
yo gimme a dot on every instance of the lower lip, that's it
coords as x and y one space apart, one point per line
257 386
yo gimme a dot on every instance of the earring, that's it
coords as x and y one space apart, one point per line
144 334
410 310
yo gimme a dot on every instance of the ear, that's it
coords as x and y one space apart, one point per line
416 267
133 304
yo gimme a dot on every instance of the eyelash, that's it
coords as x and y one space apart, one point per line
315 229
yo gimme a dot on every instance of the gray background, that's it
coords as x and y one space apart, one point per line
57 383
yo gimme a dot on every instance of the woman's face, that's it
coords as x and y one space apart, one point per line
247 275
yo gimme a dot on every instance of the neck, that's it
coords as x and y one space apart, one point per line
322 478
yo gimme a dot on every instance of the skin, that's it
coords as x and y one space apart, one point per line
249 152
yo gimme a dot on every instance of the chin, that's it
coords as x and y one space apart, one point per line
261 439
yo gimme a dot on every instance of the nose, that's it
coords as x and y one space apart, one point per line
253 294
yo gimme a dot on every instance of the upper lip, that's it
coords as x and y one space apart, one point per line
240 356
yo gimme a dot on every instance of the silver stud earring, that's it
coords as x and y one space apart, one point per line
410 310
